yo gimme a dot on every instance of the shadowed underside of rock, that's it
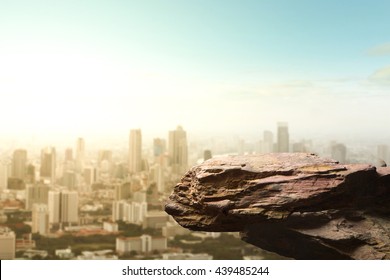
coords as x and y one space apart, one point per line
294 204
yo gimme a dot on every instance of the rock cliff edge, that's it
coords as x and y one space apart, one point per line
297 205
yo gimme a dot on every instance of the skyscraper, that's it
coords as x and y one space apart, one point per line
158 147
40 219
3 175
19 164
80 154
69 207
90 175
54 201
268 142
122 191
156 175
68 154
63 207
283 138
36 194
178 150
48 163
131 212
69 179
105 155
135 151
30 178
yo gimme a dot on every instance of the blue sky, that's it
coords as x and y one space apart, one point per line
233 67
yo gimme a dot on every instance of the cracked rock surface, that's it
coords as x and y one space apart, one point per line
295 204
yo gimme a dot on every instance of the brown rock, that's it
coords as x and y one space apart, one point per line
297 205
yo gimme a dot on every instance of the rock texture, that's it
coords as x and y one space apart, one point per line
297 205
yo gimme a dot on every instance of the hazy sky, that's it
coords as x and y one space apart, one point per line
98 68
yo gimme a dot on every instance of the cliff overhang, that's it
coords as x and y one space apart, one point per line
295 204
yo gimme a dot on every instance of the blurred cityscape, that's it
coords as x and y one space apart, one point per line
81 202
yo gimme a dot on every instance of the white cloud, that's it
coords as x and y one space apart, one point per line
380 50
381 76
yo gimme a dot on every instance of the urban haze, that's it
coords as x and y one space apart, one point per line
104 107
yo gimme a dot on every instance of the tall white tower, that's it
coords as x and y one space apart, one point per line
54 200
69 207
48 163
283 138
80 154
178 150
19 164
135 151
40 219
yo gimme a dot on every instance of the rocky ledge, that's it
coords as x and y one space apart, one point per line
297 205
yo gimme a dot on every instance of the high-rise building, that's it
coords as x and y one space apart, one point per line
80 154
48 164
40 219
299 147
19 164
105 164
131 212
304 146
156 175
7 244
178 150
105 155
283 138
139 196
63 207
122 191
54 200
3 175
69 179
119 170
30 178
68 154
69 207
135 151
159 147
90 175
268 142
38 193
118 210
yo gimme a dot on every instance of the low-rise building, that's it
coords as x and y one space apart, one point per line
110 226
171 229
97 255
128 211
64 253
140 244
31 253
7 244
186 256
155 219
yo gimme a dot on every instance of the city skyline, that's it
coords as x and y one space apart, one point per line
99 69
118 198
